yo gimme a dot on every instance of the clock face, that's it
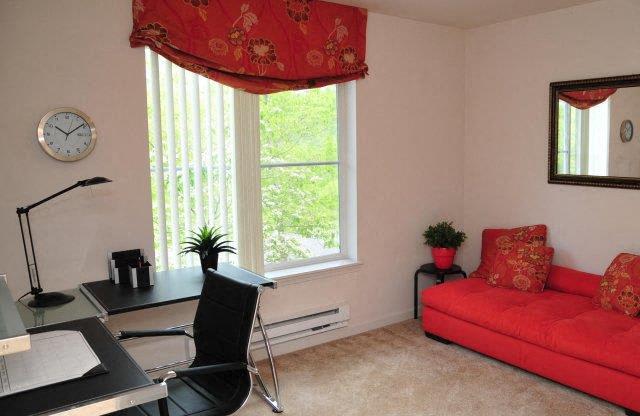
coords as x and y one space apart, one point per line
67 134
626 131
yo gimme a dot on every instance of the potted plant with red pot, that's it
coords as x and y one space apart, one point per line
208 243
444 241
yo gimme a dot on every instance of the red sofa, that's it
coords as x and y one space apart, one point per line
559 334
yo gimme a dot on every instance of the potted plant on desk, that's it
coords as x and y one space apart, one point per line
208 243
444 241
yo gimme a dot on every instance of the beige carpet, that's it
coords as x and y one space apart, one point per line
398 371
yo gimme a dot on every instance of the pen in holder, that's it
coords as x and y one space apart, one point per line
118 262
141 275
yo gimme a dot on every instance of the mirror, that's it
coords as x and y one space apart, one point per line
594 132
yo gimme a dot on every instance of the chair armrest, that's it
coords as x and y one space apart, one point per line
205 369
122 335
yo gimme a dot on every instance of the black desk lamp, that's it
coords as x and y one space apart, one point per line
40 299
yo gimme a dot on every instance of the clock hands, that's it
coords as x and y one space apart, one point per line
66 135
74 129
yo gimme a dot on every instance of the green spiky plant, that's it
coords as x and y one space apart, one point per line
208 243
443 235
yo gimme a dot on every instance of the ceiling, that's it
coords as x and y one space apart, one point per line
463 13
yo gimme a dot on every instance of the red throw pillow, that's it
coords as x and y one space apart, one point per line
620 286
502 240
525 267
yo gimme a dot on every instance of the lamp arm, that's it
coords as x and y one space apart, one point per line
53 298
35 286
25 210
34 278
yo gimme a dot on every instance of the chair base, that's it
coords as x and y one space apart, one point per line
262 390
275 406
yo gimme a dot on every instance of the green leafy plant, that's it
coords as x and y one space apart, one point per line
207 241
443 235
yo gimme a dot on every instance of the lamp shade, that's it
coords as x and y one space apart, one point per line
94 181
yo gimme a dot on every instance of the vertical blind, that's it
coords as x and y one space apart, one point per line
190 151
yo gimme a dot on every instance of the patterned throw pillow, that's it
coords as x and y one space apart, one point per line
501 240
524 267
620 286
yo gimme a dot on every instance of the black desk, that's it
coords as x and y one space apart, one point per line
170 287
125 385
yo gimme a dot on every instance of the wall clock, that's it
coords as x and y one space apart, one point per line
67 134
626 131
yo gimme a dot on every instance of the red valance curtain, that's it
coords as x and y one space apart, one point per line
586 99
260 46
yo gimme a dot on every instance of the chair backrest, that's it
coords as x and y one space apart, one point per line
222 331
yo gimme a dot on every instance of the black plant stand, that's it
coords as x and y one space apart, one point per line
431 269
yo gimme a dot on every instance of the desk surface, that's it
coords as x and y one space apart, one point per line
99 394
13 335
170 287
79 308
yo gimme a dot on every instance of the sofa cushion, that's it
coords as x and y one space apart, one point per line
565 323
620 286
606 383
525 268
502 240
566 280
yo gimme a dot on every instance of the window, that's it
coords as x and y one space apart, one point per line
300 176
583 145
206 134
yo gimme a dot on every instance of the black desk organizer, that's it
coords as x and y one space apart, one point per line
130 268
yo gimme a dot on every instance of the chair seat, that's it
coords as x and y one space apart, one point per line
186 398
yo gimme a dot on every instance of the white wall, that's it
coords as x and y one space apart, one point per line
71 53
410 126
409 136
624 158
508 70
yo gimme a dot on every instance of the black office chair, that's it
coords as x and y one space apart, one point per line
218 382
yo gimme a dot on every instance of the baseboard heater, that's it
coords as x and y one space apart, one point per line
303 325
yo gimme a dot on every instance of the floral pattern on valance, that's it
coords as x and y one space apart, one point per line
260 46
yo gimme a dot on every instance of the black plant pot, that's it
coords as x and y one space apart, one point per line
210 261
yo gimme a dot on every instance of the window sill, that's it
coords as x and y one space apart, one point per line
310 272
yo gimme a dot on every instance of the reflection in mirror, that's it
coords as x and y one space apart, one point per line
595 132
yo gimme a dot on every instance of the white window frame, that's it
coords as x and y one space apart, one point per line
584 152
582 139
246 168
248 143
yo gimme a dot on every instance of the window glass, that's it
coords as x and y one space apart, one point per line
300 175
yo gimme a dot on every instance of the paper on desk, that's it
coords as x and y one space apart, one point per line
54 357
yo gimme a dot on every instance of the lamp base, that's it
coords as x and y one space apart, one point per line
43 300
